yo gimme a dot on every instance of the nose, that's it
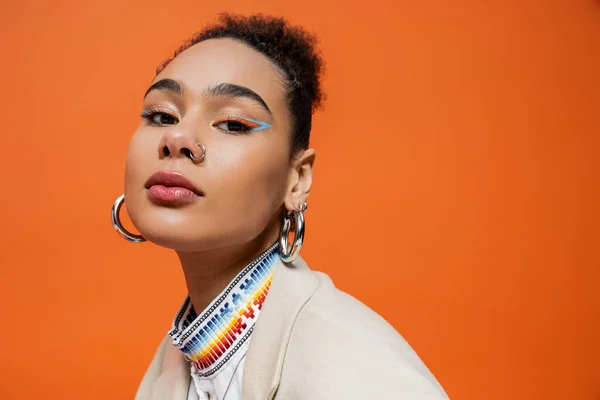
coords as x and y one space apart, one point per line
177 143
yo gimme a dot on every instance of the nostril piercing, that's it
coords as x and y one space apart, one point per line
201 155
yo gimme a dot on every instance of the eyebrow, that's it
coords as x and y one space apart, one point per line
232 90
219 90
170 85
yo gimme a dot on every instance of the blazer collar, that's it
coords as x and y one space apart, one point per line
292 286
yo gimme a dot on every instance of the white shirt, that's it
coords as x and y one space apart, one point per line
226 385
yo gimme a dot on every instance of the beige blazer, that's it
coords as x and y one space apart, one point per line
311 342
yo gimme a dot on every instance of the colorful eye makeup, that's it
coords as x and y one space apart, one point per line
160 116
155 110
235 123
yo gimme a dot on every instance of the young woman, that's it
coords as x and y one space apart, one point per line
219 170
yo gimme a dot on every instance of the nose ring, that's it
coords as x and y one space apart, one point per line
194 158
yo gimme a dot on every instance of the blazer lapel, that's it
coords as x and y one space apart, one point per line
168 377
292 286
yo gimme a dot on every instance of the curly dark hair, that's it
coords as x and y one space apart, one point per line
291 48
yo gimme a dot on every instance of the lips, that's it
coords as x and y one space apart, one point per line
172 188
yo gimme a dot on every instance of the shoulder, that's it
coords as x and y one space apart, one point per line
340 347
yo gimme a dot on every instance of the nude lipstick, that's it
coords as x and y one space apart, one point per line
172 189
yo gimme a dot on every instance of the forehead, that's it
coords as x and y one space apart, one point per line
225 60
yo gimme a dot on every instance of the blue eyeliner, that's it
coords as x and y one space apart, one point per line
263 125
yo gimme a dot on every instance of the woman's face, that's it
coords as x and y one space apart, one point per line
229 98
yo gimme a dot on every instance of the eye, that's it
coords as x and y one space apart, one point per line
235 124
159 117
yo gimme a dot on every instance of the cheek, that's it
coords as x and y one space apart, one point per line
252 179
139 165
140 154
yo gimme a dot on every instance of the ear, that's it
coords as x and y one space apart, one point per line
300 179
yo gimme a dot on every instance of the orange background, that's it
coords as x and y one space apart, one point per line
458 148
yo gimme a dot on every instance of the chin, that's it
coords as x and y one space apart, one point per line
180 240
187 235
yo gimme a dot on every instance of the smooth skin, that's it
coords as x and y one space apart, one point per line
247 178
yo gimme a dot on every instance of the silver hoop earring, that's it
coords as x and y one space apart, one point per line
194 158
286 252
116 221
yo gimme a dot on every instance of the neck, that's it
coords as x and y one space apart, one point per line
207 273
